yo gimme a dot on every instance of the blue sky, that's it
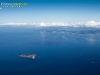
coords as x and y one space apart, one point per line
52 11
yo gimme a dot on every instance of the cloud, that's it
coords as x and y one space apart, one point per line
42 24
78 24
92 24
53 24
11 23
86 24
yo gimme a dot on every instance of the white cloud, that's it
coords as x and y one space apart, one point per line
42 24
78 24
92 24
11 23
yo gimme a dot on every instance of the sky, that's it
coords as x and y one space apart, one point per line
67 11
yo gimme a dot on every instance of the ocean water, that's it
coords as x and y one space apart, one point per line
60 50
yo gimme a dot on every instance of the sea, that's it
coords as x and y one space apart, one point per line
59 50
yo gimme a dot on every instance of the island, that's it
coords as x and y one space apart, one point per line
28 56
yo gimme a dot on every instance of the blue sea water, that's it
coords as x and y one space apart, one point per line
60 50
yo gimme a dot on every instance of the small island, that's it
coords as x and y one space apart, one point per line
28 56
